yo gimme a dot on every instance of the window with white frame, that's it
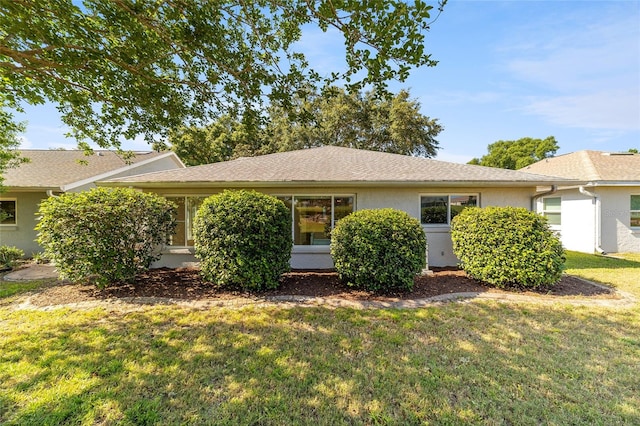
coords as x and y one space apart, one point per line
439 209
8 211
635 211
186 212
314 216
552 210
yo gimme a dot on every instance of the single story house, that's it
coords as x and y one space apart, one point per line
52 172
603 215
322 185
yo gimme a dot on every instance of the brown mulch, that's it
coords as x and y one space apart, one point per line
186 284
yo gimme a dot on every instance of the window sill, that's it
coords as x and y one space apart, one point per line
311 249
178 250
635 231
9 227
436 229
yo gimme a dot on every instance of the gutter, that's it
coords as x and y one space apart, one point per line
597 216
534 199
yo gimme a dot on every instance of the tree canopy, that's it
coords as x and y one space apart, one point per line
517 154
124 68
9 139
335 117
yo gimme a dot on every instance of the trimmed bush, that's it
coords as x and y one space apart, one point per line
104 235
9 255
379 250
507 247
243 239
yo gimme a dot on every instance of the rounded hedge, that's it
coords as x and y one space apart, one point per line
104 235
507 247
379 250
243 240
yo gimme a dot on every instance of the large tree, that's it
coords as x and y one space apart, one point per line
334 117
356 120
517 154
124 68
9 139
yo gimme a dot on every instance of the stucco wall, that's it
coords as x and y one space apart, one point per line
617 234
578 218
405 199
23 234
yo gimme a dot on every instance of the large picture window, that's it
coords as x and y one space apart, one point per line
8 212
551 209
314 216
439 209
635 211
187 209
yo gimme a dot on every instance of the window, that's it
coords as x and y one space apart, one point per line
8 212
551 209
635 211
440 209
187 208
314 216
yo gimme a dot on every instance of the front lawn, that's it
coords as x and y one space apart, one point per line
478 362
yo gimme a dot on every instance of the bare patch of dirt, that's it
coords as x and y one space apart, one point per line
186 284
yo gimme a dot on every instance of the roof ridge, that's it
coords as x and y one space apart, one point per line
592 170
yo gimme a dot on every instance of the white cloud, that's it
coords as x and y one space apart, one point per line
585 71
25 143
616 110
58 145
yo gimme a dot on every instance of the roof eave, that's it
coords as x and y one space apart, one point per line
614 183
91 179
288 183
32 189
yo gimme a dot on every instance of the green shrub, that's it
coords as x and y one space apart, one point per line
104 235
9 255
379 250
507 246
243 239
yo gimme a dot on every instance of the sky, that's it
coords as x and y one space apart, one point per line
506 70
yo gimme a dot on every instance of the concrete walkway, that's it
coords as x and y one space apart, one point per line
32 272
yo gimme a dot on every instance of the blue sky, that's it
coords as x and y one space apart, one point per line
507 70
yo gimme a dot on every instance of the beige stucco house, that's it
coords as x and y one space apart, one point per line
321 185
603 215
51 172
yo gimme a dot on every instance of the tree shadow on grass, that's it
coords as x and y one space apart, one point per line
460 363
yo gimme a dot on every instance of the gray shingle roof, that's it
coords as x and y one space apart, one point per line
332 165
53 169
591 166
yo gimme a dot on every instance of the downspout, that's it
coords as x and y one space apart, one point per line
50 193
596 217
553 190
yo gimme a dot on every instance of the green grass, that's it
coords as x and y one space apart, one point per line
8 288
622 273
480 362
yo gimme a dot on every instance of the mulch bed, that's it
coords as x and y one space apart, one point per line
186 284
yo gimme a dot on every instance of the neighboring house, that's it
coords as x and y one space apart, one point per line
52 172
603 215
322 185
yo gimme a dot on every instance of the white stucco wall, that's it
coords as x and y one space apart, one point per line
580 216
617 234
23 234
405 199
